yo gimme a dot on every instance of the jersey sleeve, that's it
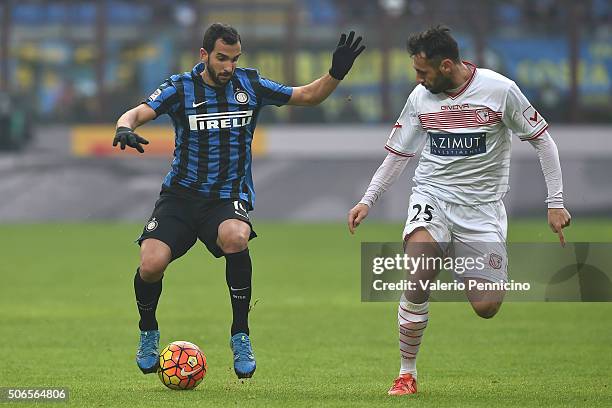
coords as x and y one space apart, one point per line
407 135
164 99
271 92
520 117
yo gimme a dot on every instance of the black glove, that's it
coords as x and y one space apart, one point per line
345 55
126 136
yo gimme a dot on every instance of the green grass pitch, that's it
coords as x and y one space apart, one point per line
68 318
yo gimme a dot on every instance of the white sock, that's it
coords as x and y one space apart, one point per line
412 320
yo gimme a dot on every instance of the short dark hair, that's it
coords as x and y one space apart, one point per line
436 43
227 33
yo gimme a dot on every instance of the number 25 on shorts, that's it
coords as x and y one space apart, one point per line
421 213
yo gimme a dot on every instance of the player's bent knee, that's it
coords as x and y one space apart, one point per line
486 310
154 259
152 268
233 236
234 244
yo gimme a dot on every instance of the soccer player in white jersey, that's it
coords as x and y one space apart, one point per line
465 117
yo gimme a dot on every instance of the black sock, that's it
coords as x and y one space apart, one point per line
238 272
147 296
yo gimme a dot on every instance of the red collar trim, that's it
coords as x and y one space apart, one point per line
469 81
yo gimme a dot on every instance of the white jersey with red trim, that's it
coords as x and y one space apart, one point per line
467 136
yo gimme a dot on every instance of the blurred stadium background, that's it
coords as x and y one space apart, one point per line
68 69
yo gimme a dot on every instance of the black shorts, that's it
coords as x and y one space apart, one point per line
181 217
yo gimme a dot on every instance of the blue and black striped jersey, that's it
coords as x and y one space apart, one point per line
214 129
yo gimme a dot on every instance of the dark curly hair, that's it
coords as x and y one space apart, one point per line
227 33
436 43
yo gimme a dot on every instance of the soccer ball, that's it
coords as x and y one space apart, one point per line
182 365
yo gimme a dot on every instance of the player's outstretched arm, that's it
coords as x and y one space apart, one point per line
558 216
387 173
129 121
317 91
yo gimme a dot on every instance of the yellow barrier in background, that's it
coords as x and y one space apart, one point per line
97 141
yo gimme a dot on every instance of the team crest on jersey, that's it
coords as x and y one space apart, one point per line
155 94
483 116
495 261
151 225
241 97
458 144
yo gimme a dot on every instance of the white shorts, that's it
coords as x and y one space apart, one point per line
464 231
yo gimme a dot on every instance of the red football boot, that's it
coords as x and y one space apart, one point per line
403 385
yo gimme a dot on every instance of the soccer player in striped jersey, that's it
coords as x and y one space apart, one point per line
465 117
208 192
